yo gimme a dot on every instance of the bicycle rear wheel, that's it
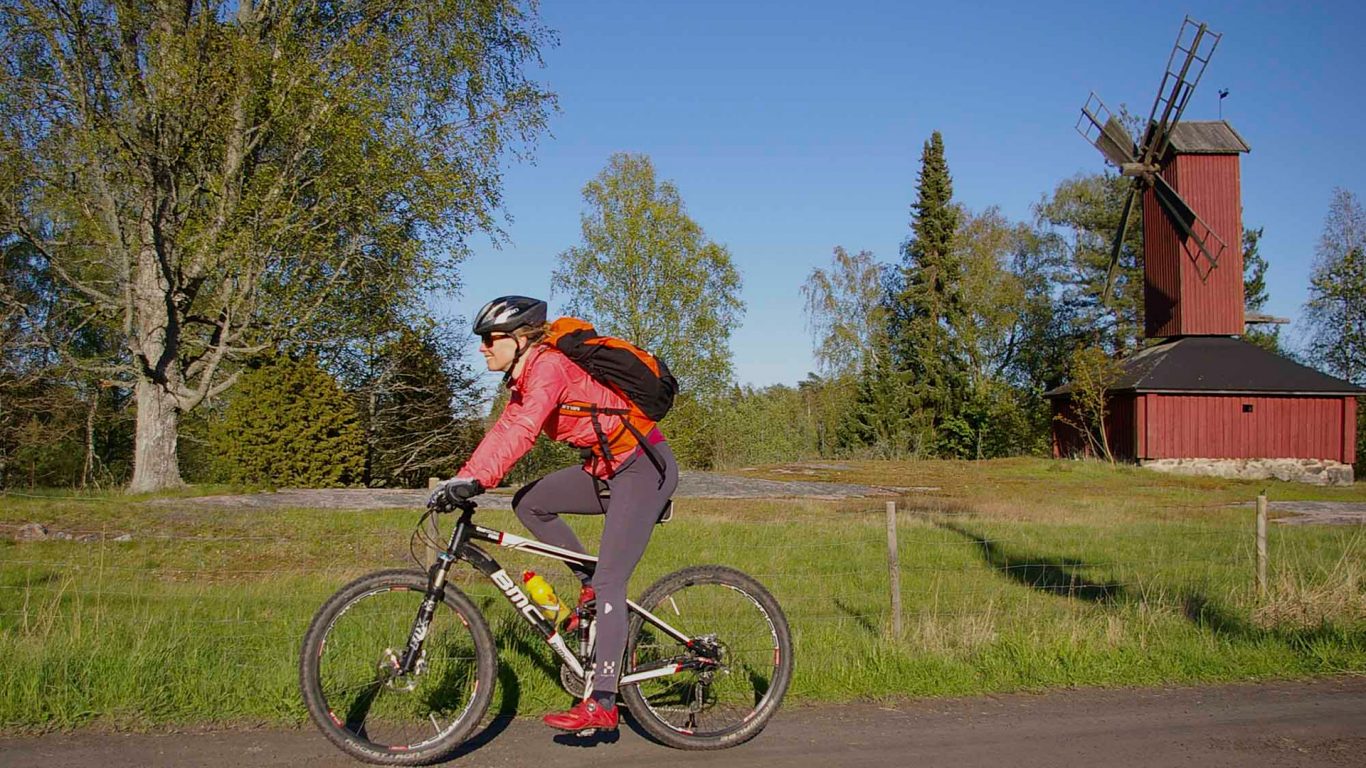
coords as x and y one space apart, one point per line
348 671
739 634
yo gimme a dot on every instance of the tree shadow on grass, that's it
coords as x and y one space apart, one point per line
1054 575
1218 619
1065 577
859 617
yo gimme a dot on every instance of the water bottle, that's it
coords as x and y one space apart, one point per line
543 595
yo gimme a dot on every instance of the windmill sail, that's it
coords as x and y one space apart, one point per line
1106 133
1195 44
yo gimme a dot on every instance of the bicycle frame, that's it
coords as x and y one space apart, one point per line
461 547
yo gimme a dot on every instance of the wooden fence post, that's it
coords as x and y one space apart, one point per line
1261 545
893 570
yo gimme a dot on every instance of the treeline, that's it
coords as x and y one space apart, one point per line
945 352
388 413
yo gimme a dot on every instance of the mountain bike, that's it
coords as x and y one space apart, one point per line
398 667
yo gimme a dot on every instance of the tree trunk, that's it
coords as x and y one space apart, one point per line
155 467
89 464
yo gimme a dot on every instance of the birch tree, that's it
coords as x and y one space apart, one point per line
1337 291
845 313
647 272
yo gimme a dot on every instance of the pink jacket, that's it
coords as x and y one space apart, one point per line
548 379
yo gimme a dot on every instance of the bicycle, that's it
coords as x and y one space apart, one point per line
706 674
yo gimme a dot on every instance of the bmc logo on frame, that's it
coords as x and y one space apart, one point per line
518 598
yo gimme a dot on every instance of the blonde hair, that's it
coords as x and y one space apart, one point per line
532 333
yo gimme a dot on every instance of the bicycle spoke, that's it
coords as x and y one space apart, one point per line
709 699
359 677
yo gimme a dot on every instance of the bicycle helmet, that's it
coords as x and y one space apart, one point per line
506 314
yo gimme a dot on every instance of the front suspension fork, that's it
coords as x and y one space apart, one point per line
436 583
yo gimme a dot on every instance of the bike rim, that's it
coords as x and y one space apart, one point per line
715 700
357 661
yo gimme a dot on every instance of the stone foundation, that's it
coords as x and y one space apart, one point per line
1311 471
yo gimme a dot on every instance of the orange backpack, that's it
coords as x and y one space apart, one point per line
642 379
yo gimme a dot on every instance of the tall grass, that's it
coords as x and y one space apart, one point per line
198 619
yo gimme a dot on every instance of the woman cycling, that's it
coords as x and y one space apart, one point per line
641 478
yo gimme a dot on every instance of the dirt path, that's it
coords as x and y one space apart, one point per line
1318 512
1319 723
696 485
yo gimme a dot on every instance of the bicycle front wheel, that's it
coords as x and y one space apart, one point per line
733 673
349 671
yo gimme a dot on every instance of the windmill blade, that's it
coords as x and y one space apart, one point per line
1189 226
1105 132
1195 44
1118 244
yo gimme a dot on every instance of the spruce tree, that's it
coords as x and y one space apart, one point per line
928 315
420 409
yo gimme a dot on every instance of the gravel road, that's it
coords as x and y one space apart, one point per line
1321 723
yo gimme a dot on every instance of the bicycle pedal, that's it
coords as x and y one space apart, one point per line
586 732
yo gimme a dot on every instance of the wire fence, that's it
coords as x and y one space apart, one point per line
835 574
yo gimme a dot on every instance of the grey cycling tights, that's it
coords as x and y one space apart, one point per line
638 496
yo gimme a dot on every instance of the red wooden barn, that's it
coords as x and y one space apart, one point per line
1203 393
1215 397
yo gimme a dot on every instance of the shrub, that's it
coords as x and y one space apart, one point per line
289 424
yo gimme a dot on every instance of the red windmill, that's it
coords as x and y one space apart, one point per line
1201 393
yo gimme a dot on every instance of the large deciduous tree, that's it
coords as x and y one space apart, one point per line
213 178
647 272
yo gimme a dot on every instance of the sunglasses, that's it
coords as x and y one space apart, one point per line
489 338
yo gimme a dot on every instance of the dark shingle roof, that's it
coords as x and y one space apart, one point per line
1224 364
1209 137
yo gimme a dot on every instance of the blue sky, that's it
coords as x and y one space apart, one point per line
794 127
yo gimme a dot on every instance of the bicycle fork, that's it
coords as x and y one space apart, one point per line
436 583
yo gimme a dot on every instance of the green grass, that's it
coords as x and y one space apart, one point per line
1016 575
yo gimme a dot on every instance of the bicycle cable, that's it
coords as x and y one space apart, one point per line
420 534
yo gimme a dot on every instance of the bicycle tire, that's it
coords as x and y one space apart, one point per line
658 705
365 646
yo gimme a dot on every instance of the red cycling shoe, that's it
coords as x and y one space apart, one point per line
586 715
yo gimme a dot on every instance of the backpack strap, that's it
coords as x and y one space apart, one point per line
604 444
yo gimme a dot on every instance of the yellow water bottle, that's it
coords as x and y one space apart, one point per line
543 595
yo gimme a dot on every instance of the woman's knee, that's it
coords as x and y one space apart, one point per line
529 505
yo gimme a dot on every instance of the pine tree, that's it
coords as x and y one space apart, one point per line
928 315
